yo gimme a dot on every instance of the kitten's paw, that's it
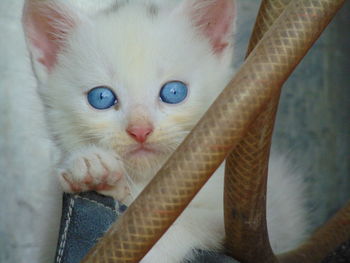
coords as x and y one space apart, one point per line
94 169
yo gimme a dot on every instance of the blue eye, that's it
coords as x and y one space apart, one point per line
102 98
173 92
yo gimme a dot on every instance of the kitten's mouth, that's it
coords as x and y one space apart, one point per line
142 150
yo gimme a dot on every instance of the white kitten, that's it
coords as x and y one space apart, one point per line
122 87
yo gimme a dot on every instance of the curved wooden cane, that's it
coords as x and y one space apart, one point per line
223 126
246 168
245 182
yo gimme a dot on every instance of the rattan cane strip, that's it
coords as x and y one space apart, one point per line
268 66
245 192
269 11
246 169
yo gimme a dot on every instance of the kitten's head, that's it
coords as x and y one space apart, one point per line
135 77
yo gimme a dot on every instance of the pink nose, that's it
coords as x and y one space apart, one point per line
139 133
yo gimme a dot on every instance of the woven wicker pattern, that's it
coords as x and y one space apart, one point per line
245 192
269 11
217 133
246 168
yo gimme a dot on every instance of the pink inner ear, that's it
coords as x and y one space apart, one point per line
49 49
42 23
216 22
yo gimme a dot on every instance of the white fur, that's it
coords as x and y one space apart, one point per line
135 53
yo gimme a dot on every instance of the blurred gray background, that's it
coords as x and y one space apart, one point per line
313 127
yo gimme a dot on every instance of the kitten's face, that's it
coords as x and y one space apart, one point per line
133 51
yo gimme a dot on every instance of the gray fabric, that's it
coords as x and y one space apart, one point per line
85 218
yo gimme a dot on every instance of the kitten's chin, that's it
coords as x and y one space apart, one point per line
144 162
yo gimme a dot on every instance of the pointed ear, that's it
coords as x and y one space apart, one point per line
46 25
215 19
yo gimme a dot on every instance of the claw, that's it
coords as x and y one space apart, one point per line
74 187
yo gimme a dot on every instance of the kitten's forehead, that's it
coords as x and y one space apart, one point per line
143 46
150 8
141 31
